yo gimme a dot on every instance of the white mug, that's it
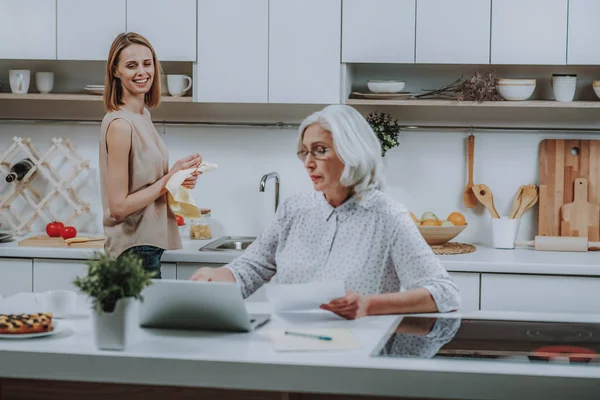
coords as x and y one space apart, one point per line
44 81
176 84
61 303
19 80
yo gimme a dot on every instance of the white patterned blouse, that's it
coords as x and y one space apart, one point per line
371 243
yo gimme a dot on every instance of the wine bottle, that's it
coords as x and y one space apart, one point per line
19 170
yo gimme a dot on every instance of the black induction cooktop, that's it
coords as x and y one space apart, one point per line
502 340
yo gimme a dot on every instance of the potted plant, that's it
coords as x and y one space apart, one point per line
114 285
386 128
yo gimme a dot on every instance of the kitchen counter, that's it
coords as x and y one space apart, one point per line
484 259
246 361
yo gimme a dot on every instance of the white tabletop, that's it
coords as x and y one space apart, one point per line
248 361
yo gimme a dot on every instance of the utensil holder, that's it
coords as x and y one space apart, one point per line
504 232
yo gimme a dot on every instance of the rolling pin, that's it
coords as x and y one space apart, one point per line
560 243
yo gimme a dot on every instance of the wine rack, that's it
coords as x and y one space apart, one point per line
38 205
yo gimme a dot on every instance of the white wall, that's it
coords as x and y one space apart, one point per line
427 172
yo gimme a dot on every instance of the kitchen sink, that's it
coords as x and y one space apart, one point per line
229 243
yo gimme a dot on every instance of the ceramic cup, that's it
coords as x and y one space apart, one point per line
504 232
177 86
563 87
19 80
61 303
44 81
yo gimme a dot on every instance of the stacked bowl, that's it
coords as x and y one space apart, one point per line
515 89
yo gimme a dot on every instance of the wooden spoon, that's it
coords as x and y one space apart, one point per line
516 202
485 197
469 197
528 198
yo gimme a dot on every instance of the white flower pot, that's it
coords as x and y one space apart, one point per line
112 330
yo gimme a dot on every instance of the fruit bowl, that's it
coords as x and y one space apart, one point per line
435 235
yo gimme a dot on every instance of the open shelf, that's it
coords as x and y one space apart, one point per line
455 103
78 97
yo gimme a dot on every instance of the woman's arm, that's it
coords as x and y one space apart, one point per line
120 202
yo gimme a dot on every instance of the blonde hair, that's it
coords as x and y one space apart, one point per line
113 90
355 144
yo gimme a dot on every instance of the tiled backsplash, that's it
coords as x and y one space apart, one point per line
427 172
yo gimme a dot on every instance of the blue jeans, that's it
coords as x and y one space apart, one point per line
150 256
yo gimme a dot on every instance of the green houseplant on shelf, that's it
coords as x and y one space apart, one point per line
386 128
113 285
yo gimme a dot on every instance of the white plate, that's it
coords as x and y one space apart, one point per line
57 328
95 86
5 237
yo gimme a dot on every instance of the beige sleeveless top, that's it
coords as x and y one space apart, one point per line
154 225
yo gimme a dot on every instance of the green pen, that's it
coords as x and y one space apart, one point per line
309 335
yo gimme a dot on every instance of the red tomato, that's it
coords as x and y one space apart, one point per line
68 232
54 228
180 220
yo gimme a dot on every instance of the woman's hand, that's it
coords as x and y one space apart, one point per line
191 161
190 182
208 274
351 306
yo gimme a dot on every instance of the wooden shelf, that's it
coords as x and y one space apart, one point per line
78 97
455 103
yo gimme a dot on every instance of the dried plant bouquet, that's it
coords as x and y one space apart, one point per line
480 87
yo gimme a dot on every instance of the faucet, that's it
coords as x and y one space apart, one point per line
263 181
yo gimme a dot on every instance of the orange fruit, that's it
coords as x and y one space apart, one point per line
457 218
430 222
414 217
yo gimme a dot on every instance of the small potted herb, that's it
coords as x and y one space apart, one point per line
386 128
114 285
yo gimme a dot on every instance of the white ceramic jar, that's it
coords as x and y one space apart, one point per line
563 87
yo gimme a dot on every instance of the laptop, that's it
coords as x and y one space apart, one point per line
193 305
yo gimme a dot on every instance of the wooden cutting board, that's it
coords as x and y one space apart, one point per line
46 241
578 216
561 163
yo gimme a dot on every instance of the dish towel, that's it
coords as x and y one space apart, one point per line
180 198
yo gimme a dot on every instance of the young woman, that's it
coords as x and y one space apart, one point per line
134 161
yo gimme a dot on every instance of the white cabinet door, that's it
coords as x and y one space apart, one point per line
540 293
168 270
186 270
57 274
468 286
28 29
453 32
304 51
16 275
170 26
86 28
584 32
378 31
233 51
529 32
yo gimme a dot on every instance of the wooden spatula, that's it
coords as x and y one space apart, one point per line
579 216
528 199
469 197
516 202
485 197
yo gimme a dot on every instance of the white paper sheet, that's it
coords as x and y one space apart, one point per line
342 339
303 296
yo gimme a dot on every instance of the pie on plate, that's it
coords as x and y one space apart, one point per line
19 324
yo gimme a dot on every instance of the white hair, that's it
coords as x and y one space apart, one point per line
355 144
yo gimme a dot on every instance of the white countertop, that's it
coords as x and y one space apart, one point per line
484 259
247 361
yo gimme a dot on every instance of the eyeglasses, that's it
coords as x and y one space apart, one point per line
320 153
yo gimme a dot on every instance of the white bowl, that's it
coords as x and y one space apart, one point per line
386 86
509 81
515 92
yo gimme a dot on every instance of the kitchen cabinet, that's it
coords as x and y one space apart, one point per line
468 286
584 32
16 275
304 51
378 31
186 270
28 29
168 270
453 32
529 32
566 294
86 28
234 68
53 274
170 26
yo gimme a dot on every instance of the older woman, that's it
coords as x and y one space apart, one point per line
348 229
